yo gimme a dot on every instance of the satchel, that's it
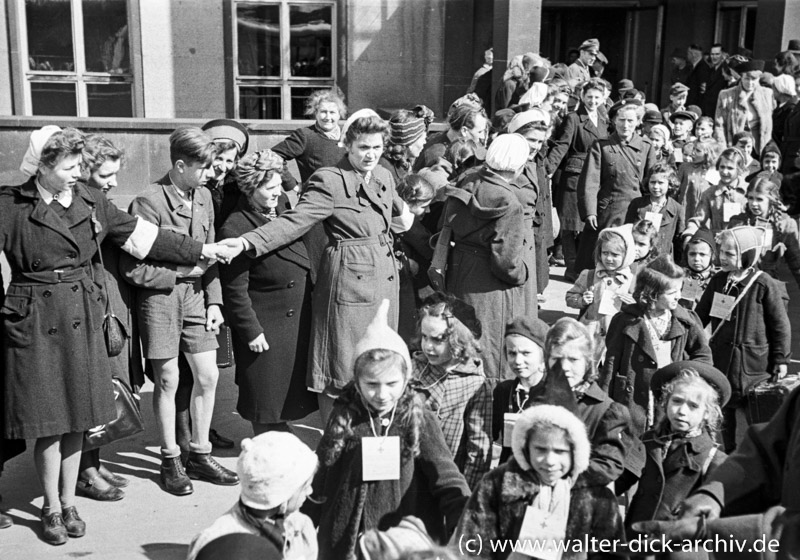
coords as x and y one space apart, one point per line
128 422
114 331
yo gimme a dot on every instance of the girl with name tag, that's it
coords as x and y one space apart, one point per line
383 455
647 336
751 334
660 208
542 497
645 238
699 267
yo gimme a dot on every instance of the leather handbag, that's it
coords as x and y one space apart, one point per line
114 331
128 422
225 349
441 252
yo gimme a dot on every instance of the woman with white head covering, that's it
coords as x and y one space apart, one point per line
486 267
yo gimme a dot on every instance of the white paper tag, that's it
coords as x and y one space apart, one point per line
730 209
722 306
543 531
678 156
509 419
663 350
655 218
691 289
380 458
768 239
609 303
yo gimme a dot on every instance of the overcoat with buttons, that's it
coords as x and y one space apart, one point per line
56 365
631 357
358 268
270 295
672 221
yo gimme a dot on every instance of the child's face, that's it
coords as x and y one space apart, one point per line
381 390
728 255
698 155
611 256
728 171
571 357
299 497
656 139
686 408
659 185
550 454
758 204
435 340
668 299
770 162
642 245
704 130
679 99
746 146
698 256
682 127
687 151
525 358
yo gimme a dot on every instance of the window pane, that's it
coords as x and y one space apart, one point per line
730 20
259 42
310 40
49 36
260 103
54 98
750 28
299 97
110 100
105 36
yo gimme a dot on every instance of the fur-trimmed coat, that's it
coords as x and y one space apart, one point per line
430 486
497 507
731 114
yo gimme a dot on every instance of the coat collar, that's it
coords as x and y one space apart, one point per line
83 202
176 203
588 125
637 330
688 456
353 180
636 143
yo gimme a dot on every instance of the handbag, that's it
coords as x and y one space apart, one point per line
441 252
128 422
225 349
114 331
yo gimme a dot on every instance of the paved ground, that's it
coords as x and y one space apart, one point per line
149 523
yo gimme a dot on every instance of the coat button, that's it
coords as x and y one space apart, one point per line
75 288
641 359
35 265
290 313
290 284
389 254
47 293
629 390
76 324
391 278
52 330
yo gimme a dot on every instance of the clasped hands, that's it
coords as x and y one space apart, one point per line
224 251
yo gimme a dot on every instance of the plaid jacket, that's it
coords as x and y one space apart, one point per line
462 401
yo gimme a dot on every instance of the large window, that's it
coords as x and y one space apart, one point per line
736 24
76 58
283 52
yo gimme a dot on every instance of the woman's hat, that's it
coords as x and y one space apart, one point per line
272 467
228 129
527 117
361 113
37 142
535 95
530 327
508 152
750 66
712 375
406 133
539 74
379 335
794 46
547 415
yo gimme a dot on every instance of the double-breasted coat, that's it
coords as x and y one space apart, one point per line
732 111
571 143
56 366
358 267
269 295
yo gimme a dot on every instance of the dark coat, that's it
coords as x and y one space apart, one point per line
56 365
791 141
497 507
697 80
721 77
269 295
631 359
571 143
9 448
755 339
526 189
486 267
779 117
430 486
310 149
672 221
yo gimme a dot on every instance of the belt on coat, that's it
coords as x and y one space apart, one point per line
50 276
381 239
471 249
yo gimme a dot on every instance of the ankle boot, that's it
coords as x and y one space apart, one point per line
202 466
76 527
173 477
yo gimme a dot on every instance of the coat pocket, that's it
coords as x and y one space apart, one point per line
18 319
357 283
755 359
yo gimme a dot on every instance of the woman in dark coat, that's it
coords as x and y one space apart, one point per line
56 383
571 143
268 303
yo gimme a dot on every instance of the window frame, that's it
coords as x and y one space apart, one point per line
285 81
743 6
22 76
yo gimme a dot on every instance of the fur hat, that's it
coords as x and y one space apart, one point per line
228 129
38 140
380 335
558 417
749 242
626 233
530 327
272 467
750 66
508 152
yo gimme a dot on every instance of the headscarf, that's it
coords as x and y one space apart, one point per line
527 117
357 115
38 140
508 152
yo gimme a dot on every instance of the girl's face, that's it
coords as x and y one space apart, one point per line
728 255
381 390
559 103
550 454
699 155
611 255
668 299
758 204
659 184
435 340
686 408
327 116
770 162
656 139
105 176
266 195
572 358
525 359
365 152
592 99
642 245
728 171
698 256
535 139
223 163
704 130
415 148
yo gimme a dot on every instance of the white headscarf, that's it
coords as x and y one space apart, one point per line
527 117
357 115
508 152
32 157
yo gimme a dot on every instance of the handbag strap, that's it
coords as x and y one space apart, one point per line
95 230
737 300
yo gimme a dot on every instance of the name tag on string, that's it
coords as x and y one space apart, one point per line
768 239
692 289
509 420
663 350
380 458
609 303
678 155
730 209
654 217
722 306
543 532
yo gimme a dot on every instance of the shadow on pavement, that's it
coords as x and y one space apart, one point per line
165 551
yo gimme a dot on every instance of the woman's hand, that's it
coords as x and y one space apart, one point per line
588 297
214 319
258 344
592 221
228 249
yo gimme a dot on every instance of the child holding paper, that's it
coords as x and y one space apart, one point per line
383 455
647 336
751 337
660 208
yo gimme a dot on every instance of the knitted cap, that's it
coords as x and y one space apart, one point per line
508 152
527 117
530 327
663 130
405 134
228 129
30 161
749 241
626 233
771 148
704 235
272 467
379 335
